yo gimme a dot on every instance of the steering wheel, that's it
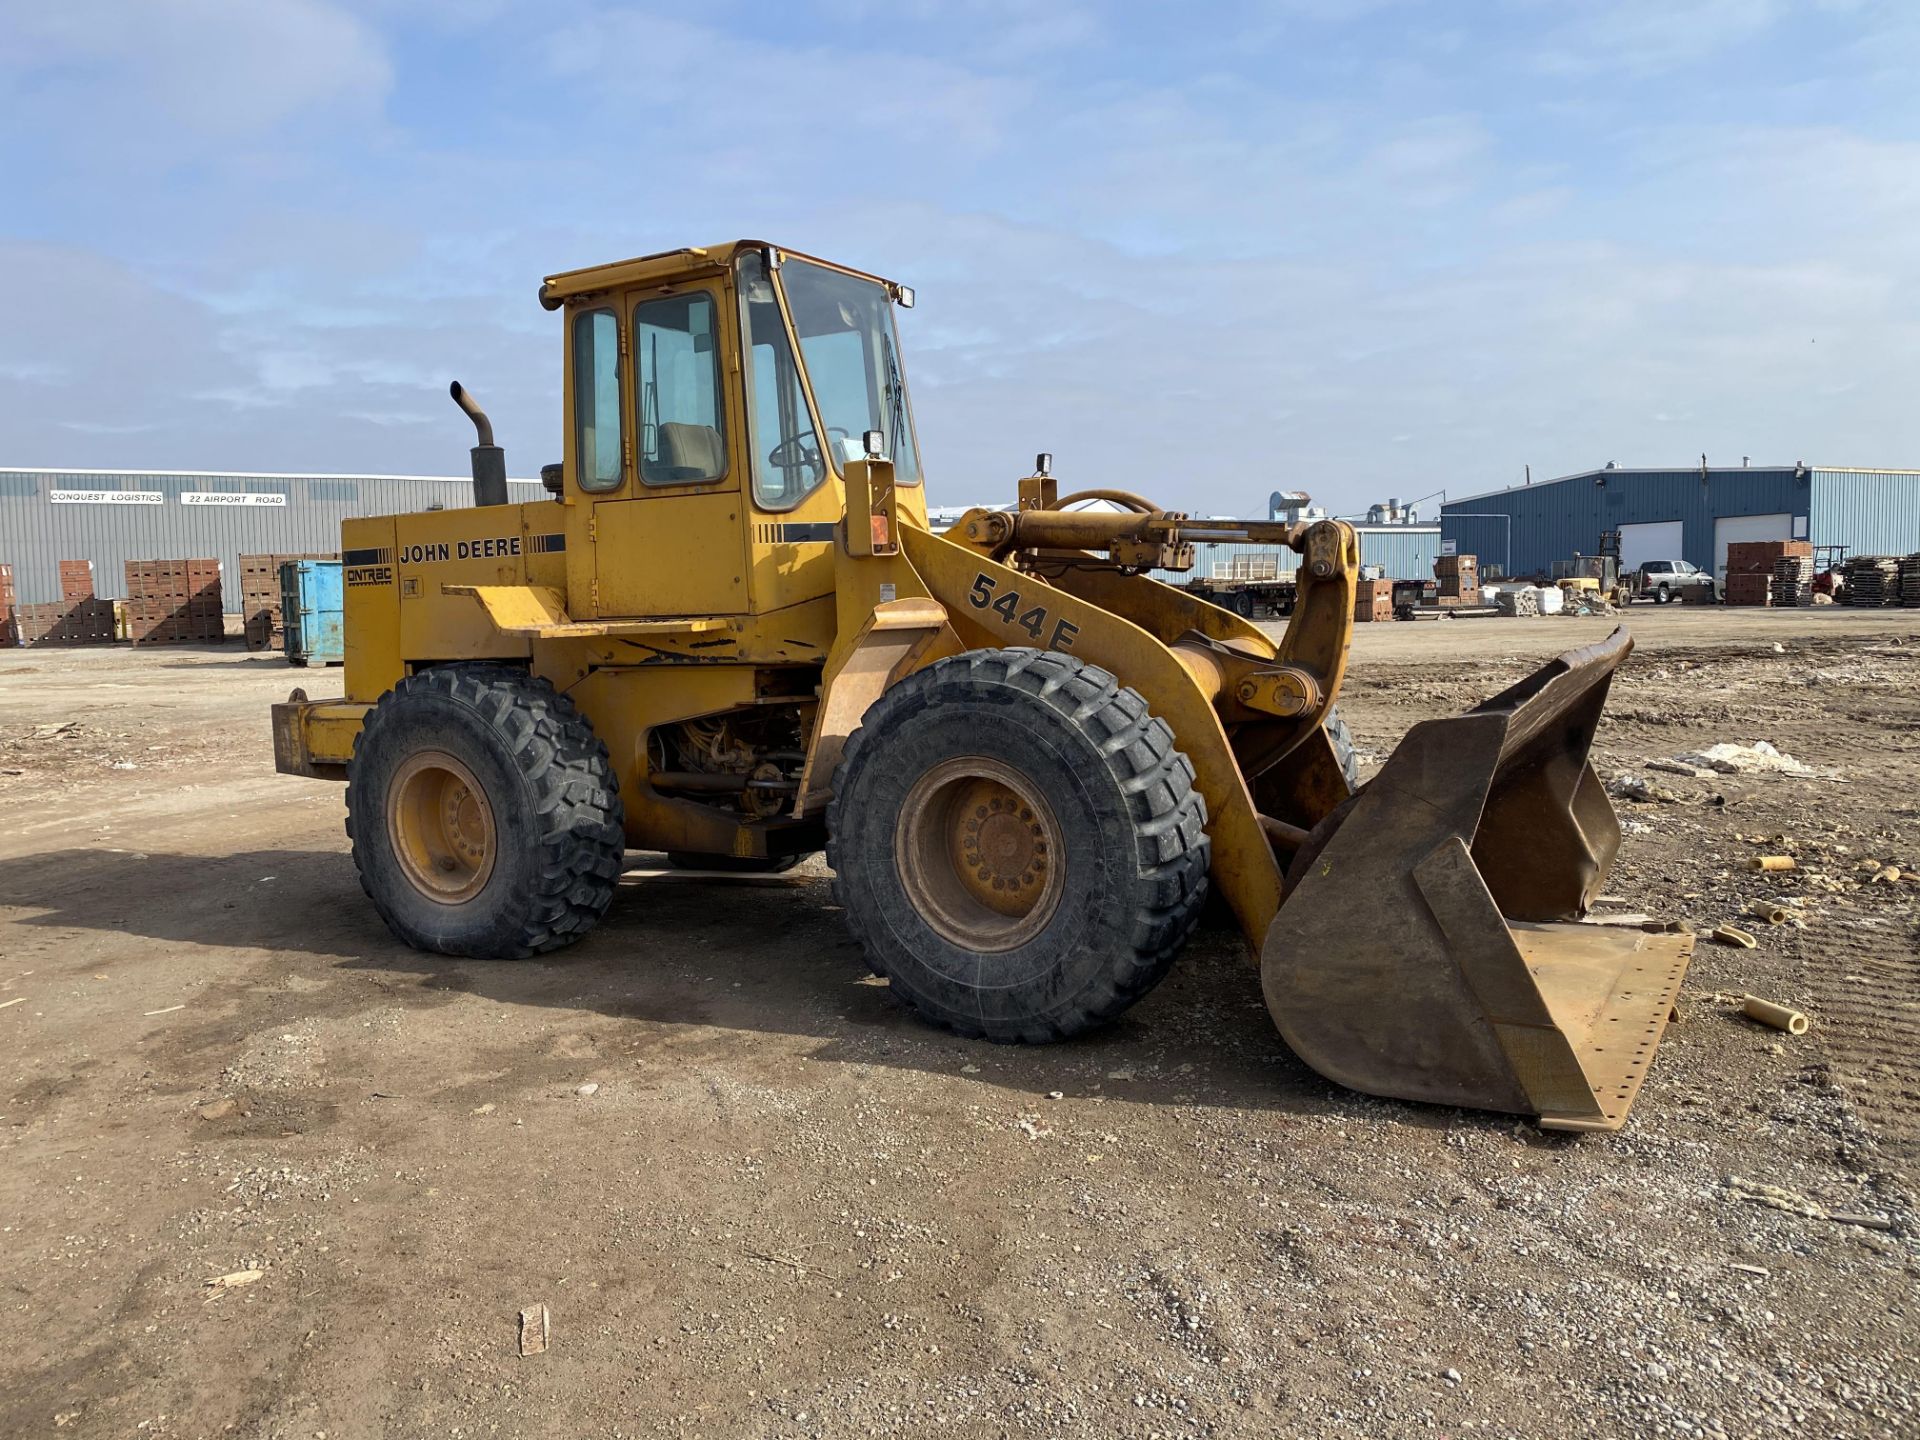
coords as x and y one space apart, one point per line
801 451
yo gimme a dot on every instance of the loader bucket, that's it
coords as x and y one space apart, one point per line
1422 950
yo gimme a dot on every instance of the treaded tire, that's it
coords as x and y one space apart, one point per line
1131 843
558 824
1342 740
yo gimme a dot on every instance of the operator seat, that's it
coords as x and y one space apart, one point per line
688 452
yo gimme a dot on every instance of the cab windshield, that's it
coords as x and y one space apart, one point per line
852 355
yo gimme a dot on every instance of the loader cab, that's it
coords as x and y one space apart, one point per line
713 400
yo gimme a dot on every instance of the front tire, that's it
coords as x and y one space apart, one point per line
484 814
1017 845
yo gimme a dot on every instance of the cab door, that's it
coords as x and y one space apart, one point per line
671 539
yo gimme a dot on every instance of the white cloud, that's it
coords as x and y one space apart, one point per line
101 366
832 115
999 29
1645 37
1189 269
214 67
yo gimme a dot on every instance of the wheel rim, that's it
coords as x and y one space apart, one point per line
976 849
441 827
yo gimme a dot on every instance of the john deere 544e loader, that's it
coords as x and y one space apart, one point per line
731 636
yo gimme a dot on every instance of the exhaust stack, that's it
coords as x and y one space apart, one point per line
489 460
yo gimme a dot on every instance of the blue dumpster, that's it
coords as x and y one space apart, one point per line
310 612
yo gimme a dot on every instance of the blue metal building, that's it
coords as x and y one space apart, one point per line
1688 514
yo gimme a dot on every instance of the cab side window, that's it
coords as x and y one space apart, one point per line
682 436
786 459
596 399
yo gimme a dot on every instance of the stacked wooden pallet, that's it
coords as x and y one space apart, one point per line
65 622
76 618
1910 580
1872 581
1792 580
1459 579
1373 600
1752 572
174 602
260 596
76 580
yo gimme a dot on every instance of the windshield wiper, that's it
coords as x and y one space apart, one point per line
896 399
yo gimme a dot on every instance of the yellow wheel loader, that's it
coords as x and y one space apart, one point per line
731 636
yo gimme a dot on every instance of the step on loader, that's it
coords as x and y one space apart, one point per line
731 635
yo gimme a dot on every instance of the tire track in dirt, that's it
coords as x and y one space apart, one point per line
1867 993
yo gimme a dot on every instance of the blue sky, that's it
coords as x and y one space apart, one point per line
1356 247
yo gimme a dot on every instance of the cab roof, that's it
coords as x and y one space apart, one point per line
668 265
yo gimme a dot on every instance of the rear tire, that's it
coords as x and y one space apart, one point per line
1662 595
1017 844
484 815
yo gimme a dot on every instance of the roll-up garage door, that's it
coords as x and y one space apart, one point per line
1660 540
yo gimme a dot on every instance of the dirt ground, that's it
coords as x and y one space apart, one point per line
789 1209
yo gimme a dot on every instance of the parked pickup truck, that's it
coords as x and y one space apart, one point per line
1664 580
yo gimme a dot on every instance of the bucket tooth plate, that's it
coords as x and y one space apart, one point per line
1417 954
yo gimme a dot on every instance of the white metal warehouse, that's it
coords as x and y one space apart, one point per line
113 516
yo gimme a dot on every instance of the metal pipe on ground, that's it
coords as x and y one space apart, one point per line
1778 1017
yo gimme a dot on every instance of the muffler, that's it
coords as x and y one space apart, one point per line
489 460
1421 951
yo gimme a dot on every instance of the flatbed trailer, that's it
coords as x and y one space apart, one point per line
1248 599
